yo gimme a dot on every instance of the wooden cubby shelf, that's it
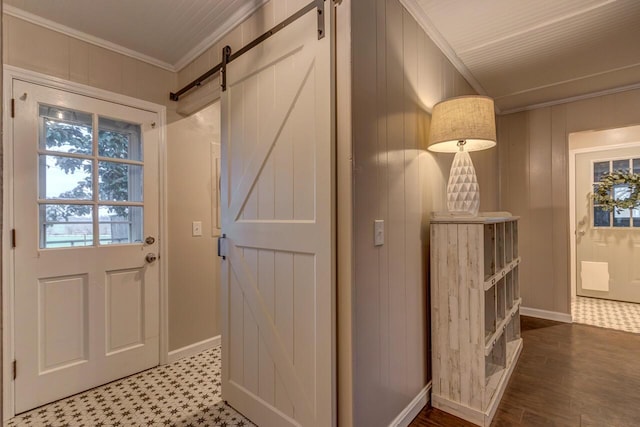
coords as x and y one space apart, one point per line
475 312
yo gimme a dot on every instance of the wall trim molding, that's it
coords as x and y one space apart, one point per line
233 21
605 92
413 409
546 314
97 41
193 349
425 23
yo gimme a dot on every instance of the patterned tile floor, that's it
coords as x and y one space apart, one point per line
624 316
182 394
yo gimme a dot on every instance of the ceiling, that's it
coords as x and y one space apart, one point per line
527 53
523 53
168 33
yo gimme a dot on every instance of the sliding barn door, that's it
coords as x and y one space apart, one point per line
278 218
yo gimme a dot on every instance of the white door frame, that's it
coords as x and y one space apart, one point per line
14 73
583 142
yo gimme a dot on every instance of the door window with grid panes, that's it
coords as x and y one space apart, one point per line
623 218
90 183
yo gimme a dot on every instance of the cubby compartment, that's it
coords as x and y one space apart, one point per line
489 250
508 241
490 320
512 331
500 300
494 364
512 334
500 246
509 290
514 232
516 283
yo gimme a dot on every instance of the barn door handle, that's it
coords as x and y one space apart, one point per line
224 236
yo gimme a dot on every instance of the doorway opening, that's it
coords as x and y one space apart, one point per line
605 279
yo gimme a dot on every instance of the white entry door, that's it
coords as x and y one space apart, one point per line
277 214
607 243
85 199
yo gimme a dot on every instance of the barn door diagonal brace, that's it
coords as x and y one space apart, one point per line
221 67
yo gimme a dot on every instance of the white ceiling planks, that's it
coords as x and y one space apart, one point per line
526 52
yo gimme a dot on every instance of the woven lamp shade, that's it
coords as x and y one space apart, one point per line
464 118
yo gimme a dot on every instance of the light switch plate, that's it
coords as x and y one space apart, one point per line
378 232
196 228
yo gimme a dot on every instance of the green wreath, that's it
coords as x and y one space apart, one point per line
603 194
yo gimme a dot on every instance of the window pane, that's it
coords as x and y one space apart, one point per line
601 218
599 168
621 165
120 224
622 218
65 178
621 192
65 130
636 165
119 140
636 217
65 226
120 182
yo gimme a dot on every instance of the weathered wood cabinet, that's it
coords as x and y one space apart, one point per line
475 312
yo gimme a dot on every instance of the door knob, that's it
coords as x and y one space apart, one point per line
151 257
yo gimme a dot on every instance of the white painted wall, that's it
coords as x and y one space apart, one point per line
194 267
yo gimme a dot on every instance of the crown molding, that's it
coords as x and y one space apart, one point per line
605 92
425 23
97 41
234 20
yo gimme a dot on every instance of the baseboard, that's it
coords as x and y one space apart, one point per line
194 349
545 314
413 409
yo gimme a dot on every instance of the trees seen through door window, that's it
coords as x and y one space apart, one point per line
90 186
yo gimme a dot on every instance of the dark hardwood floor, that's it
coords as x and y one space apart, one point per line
567 375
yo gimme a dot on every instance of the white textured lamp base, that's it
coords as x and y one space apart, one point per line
463 192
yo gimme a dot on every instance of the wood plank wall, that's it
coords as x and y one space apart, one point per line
534 183
398 75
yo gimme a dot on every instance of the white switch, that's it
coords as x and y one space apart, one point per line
378 232
196 228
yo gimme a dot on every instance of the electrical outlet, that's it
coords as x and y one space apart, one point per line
378 232
196 228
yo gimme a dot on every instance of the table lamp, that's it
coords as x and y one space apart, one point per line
460 125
